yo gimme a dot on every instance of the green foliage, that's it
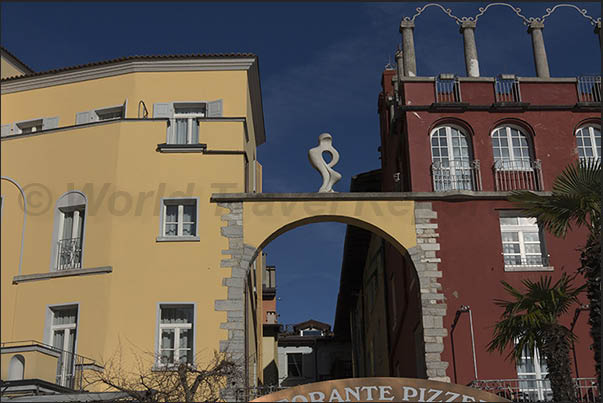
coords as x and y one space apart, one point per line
529 315
531 320
576 198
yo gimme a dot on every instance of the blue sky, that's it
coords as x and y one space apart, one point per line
320 66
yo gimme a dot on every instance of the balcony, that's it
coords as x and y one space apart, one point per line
534 390
589 89
44 366
69 254
447 89
450 175
520 174
506 89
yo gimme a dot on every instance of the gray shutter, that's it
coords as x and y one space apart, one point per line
84 117
214 109
50 123
5 130
165 110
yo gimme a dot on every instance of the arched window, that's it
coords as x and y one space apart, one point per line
68 234
451 160
16 368
511 149
588 139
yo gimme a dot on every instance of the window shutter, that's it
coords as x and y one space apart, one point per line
5 130
84 117
163 110
50 123
214 109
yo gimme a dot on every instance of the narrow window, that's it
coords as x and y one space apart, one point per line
522 242
532 372
589 142
71 224
179 218
186 129
175 335
62 337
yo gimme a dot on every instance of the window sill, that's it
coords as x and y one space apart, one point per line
169 368
178 239
62 273
181 148
529 268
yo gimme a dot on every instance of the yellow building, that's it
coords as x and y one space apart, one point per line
110 244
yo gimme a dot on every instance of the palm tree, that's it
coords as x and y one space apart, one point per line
531 320
575 199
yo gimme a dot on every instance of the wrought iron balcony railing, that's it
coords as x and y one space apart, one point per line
506 89
69 254
589 89
456 175
520 174
70 367
526 260
535 390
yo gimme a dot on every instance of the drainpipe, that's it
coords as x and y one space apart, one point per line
472 339
461 310
471 63
540 59
581 308
408 46
456 319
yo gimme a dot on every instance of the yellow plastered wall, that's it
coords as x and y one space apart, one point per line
37 365
124 178
265 220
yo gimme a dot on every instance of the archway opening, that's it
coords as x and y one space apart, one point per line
340 298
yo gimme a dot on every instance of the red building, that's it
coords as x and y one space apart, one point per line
462 144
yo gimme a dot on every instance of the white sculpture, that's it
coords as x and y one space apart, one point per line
329 176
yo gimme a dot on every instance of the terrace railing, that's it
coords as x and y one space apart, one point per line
589 89
521 174
536 390
450 175
447 89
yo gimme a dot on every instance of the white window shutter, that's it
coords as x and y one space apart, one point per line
214 109
50 123
84 117
5 130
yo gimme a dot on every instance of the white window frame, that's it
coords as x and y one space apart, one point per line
67 329
180 202
463 168
539 374
588 131
521 228
525 162
177 327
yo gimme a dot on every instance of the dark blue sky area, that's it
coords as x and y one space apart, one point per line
320 66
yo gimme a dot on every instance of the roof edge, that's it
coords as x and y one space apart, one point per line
16 61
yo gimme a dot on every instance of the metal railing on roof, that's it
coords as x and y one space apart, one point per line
589 88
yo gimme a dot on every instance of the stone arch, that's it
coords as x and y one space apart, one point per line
248 232
16 368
